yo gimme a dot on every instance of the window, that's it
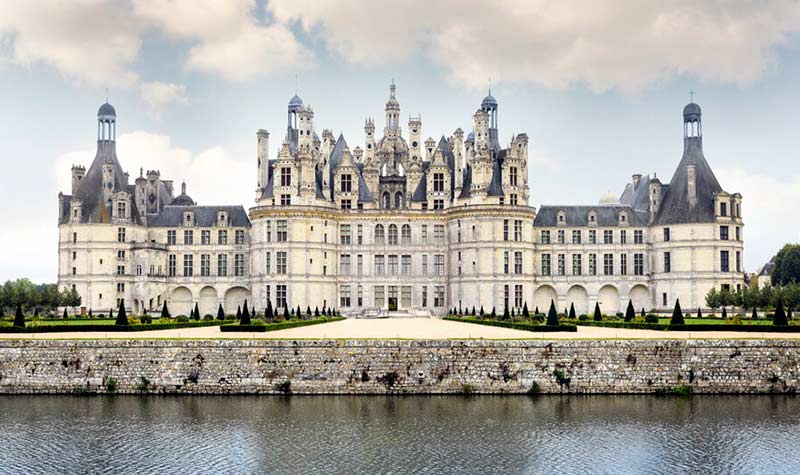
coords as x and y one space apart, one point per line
513 199
392 265
74 238
518 296
347 183
545 264
592 264
347 204
438 296
545 236
664 299
121 210
172 265
577 264
561 264
268 259
505 230
239 236
205 237
286 176
723 261
738 261
518 262
576 236
344 264
438 204
222 265
188 265
286 200
269 231
344 295
360 264
438 183
74 271
121 255
360 234
74 255
188 237
424 296
723 209
424 264
424 234
638 264
667 262
380 296
438 234
506 296
738 233
505 262
405 265
638 237
623 264
280 262
592 236
187 219
405 296
392 235
438 264
120 235
608 236
282 233
518 230
723 233
280 296
608 264
379 265
360 297
171 237
238 265
344 234
405 234
205 265
379 234
666 234
222 237
512 176
561 238
623 237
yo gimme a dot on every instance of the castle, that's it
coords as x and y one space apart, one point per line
400 227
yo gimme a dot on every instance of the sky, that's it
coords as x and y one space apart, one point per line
598 87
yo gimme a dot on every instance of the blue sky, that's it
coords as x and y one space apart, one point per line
599 89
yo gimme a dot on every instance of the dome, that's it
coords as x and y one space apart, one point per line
489 102
691 111
609 199
183 199
471 136
295 102
106 110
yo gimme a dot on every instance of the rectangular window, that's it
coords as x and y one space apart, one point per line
268 258
380 296
546 264
638 236
282 230
239 236
512 176
172 265
576 236
424 234
222 265
608 236
405 265
545 236
171 237
505 262
188 237
438 296
205 265
667 262
344 234
505 230
347 204
577 264
379 265
738 233
405 235
738 261
360 264
286 200
438 182
120 234
723 261
723 209
638 264
344 295
360 297
561 264
405 296
205 237
723 233
344 264
424 296
280 296
623 237
269 231
513 199
392 265
506 296
238 265
222 237
424 264
518 296
121 255
438 204
360 234
518 230
608 264
592 264
121 270
286 176
592 236
438 264
347 183
518 262
623 264
561 238
280 262
438 234
188 265
666 234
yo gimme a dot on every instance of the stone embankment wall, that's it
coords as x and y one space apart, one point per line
398 366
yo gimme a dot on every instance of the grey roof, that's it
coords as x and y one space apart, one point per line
364 196
467 183
183 200
204 216
692 111
579 215
675 207
107 110
496 185
638 198
295 103
489 102
268 191
336 159
421 193
767 269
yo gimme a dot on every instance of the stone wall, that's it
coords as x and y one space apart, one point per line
398 366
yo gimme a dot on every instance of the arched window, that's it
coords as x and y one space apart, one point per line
392 234
379 234
385 200
405 234
398 200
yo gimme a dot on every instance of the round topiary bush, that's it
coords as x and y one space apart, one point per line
182 319
651 318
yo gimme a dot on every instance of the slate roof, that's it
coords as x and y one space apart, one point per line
269 191
421 193
639 198
579 215
204 216
496 185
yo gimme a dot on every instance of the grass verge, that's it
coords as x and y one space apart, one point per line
269 327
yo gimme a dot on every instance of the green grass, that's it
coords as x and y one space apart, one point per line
716 321
527 326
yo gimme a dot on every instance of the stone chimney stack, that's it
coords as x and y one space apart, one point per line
635 179
691 185
78 172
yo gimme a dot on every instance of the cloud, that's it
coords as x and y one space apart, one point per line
605 44
88 41
157 95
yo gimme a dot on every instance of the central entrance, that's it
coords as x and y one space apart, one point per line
392 298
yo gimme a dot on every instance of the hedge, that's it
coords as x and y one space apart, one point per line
517 325
269 327
107 328
695 327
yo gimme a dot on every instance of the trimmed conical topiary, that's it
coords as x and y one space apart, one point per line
269 314
196 312
65 316
755 313
536 310
699 314
286 313
506 315
482 312
19 318
239 312
630 313
220 313
122 317
724 312
90 313
494 314
165 311
299 313
643 314
525 313
316 312
677 314
597 315
572 315
552 316
780 314
473 311
245 315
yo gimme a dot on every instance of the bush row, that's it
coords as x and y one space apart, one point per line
695 327
107 328
517 325
268 327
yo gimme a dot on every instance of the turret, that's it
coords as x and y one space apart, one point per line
358 154
655 197
305 129
392 113
430 146
78 172
415 139
481 124
457 145
369 140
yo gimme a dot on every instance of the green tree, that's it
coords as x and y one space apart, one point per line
525 313
780 315
493 316
699 315
245 320
19 318
220 313
122 317
724 312
506 315
787 266
286 312
755 313
238 312
597 315
165 311
269 314
552 316
713 298
196 312
630 313
677 314
572 315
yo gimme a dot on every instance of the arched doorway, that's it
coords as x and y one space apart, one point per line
208 301
578 296
234 298
640 297
542 297
608 297
181 302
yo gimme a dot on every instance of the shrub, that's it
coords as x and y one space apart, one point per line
780 315
208 317
36 314
630 313
651 318
724 313
493 316
165 311
734 320
597 315
525 313
677 314
534 389
239 312
583 317
220 313
286 313
699 315
755 313
506 315
122 317
482 312
146 319
572 311
638 320
19 318
182 319
245 320
144 384
552 316
618 315
111 385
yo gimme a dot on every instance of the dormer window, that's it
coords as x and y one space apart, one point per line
562 217
723 209
188 218
592 217
121 209
222 219
623 218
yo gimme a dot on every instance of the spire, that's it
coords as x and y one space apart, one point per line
183 188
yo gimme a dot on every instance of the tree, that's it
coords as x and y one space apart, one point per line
220 313
473 311
525 312
245 315
506 315
286 312
19 318
299 313
316 312
494 314
724 312
755 313
699 315
780 315
238 312
536 310
630 313
482 312
677 314
122 317
65 316
269 314
572 315
597 315
552 316
787 266
165 311
643 314
713 298
196 313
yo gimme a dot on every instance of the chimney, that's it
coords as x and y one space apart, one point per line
78 172
691 188
635 180
263 157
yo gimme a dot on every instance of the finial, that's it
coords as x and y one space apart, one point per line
183 188
106 95
490 85
691 95
296 81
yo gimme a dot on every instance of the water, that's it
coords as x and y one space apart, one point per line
353 435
